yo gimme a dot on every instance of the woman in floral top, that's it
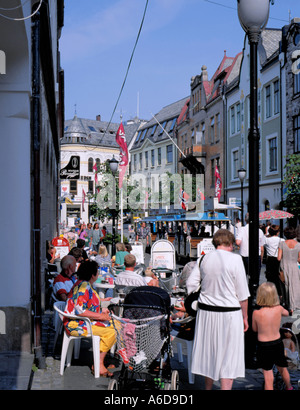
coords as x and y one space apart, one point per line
83 300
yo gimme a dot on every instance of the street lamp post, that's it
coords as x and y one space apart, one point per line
253 16
113 165
242 176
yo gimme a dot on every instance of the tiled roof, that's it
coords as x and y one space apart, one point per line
269 44
92 132
167 117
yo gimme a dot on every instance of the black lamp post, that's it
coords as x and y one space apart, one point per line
253 16
242 176
113 165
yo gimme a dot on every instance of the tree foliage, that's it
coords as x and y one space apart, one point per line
291 183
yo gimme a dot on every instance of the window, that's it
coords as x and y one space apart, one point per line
141 160
218 128
173 124
232 120
144 134
297 83
276 97
146 159
268 102
92 129
238 117
203 133
297 133
152 158
272 154
158 156
138 137
212 130
134 162
162 128
169 153
235 164
91 186
153 130
73 186
272 99
90 165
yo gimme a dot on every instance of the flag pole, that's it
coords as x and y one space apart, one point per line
169 136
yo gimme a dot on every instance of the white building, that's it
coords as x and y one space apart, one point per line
31 120
94 142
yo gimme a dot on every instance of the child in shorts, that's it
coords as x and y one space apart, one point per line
266 322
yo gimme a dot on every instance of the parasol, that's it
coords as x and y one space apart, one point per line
274 214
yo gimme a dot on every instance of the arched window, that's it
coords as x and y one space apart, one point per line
90 165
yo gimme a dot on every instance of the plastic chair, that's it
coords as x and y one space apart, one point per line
57 322
189 348
68 343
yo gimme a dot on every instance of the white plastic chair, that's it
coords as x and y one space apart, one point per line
57 322
189 348
68 343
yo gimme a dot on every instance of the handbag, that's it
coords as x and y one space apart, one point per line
191 301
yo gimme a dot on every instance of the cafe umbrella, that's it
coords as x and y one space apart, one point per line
274 214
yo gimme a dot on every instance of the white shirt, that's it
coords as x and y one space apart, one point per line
243 236
223 279
130 278
272 243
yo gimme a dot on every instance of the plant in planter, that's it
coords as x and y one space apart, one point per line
108 239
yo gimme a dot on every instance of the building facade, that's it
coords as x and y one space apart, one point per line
154 154
269 124
31 118
94 143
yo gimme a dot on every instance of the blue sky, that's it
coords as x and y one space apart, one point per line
178 37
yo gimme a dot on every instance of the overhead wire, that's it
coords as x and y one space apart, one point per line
21 18
127 71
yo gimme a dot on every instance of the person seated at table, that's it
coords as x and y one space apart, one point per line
51 254
81 245
77 253
64 282
84 301
130 278
103 256
121 252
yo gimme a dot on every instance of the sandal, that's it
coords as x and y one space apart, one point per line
106 374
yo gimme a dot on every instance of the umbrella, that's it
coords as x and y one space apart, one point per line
274 214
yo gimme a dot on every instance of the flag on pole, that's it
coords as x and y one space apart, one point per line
95 168
83 199
183 199
146 201
121 141
218 184
200 195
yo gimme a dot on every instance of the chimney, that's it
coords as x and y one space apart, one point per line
98 117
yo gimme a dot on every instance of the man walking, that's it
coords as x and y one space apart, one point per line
142 235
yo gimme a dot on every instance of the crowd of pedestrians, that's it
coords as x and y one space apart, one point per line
222 311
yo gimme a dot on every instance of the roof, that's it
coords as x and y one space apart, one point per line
268 47
93 132
167 117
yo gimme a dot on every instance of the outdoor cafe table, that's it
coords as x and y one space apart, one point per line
101 287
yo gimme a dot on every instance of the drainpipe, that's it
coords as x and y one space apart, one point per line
35 187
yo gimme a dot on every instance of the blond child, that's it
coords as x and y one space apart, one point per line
266 322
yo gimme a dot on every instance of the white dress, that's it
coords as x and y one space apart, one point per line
218 349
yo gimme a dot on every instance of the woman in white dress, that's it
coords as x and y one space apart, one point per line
222 318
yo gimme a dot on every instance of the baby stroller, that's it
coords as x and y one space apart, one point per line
143 341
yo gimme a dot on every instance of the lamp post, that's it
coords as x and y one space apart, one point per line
113 165
242 176
253 16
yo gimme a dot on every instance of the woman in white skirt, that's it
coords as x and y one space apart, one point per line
222 319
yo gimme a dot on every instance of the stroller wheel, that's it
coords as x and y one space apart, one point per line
174 380
113 385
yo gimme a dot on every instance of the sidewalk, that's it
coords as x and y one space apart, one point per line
17 371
